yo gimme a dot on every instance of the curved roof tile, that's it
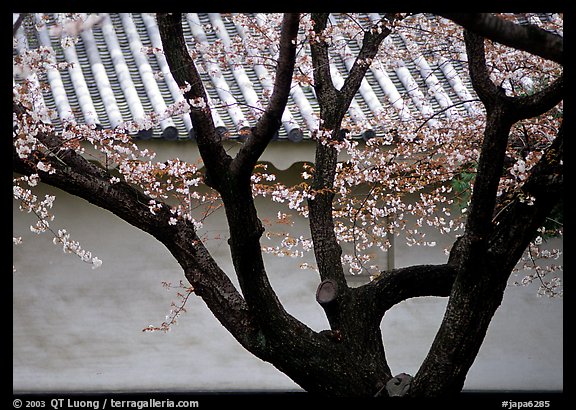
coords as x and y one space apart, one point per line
114 80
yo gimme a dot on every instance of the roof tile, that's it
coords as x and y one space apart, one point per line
114 80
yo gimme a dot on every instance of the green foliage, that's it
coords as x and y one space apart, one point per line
462 184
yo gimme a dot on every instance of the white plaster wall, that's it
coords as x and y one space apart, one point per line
78 329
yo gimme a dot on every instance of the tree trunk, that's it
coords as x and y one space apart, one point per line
484 261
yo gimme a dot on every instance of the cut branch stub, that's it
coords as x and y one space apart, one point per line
327 292
326 296
399 385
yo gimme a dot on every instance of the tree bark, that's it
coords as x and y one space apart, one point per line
333 106
231 177
349 358
330 362
78 176
482 259
522 37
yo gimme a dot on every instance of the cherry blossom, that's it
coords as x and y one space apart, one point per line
424 143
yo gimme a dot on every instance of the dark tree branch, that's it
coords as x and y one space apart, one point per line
233 185
373 37
502 113
522 37
326 93
488 92
478 291
186 75
78 176
397 285
18 23
270 121
485 255
533 105
326 247
519 217
338 101
498 124
333 106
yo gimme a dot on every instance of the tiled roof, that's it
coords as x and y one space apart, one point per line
113 80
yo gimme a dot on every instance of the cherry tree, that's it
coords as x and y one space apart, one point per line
501 164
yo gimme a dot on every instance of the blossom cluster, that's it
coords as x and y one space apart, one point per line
288 245
113 148
417 174
538 266
174 182
30 203
396 185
